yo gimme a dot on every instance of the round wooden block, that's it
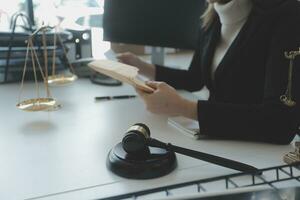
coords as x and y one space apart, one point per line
158 162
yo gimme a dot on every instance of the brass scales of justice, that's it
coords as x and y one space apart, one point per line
291 157
44 103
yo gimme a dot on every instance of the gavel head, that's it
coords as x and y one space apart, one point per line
135 140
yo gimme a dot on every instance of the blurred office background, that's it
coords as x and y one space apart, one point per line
70 12
144 27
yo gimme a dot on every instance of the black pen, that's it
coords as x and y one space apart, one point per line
115 97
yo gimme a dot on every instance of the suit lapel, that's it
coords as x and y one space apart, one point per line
234 50
209 45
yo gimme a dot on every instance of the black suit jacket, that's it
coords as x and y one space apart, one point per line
244 98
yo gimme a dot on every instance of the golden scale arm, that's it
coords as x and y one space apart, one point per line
294 156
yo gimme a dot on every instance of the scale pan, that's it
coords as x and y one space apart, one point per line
38 104
56 107
61 79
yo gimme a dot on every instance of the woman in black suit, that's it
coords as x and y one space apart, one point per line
240 58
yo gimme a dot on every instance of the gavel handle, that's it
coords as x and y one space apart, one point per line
205 157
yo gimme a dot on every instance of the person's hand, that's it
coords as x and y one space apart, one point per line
133 60
130 59
166 101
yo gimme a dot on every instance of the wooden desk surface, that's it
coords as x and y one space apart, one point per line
62 154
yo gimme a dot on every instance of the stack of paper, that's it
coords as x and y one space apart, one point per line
122 72
187 126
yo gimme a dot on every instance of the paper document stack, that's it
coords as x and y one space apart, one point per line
120 71
187 126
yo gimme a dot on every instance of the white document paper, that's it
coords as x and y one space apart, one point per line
187 126
120 71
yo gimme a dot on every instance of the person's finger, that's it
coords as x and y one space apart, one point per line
120 58
120 55
124 55
155 84
141 93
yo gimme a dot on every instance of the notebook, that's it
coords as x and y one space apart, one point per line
188 127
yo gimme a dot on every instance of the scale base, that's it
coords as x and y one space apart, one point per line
157 163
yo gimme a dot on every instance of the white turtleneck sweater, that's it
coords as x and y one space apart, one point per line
233 16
